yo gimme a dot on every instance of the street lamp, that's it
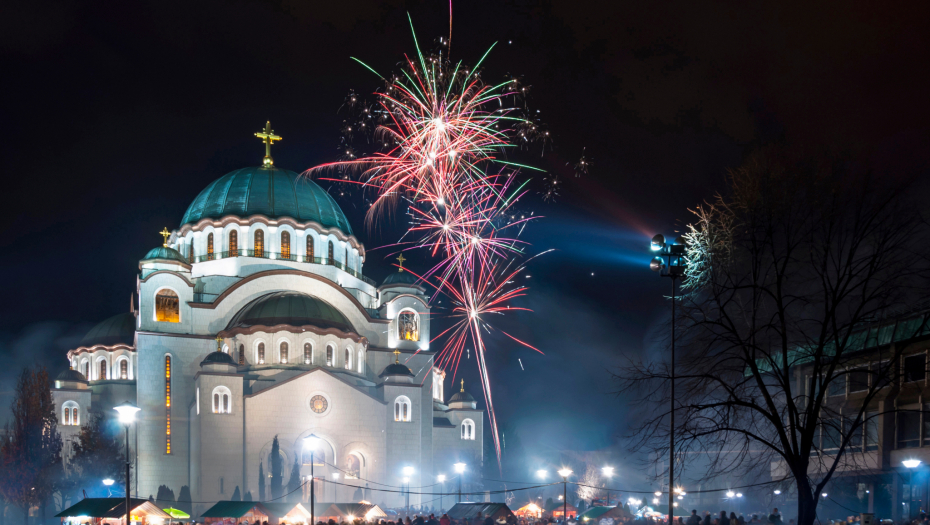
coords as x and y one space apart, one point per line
674 255
565 473
911 465
311 442
460 470
731 494
127 414
336 487
542 473
442 479
108 483
408 471
608 472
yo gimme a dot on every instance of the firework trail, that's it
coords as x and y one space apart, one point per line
443 135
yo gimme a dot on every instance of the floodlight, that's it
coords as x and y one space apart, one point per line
408 470
656 264
565 472
108 482
911 463
730 494
608 471
441 478
777 492
459 468
542 473
658 242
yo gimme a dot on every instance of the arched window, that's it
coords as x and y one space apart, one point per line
87 370
103 370
353 466
259 243
402 411
261 353
210 246
468 429
72 415
308 353
283 356
361 361
233 243
310 257
167 306
345 262
329 356
222 400
408 326
285 245
348 363
241 355
190 253
124 369
330 254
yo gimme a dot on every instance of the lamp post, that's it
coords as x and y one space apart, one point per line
442 480
335 487
311 442
109 483
460 470
911 465
608 472
127 414
565 473
674 255
408 471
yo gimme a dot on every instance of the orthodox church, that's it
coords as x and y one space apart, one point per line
254 319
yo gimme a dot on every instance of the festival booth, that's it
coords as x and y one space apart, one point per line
472 511
556 508
529 511
289 513
340 512
236 512
603 515
112 511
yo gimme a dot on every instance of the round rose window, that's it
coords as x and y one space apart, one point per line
318 404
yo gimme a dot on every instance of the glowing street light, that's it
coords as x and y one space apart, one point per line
541 473
565 473
311 443
731 494
408 471
460 470
127 415
442 480
777 492
608 472
911 463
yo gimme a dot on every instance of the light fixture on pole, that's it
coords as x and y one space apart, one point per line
674 256
565 473
336 487
442 480
460 470
310 443
127 414
541 473
731 494
608 473
911 465
408 471
109 483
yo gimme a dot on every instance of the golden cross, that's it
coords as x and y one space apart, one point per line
400 259
219 341
165 233
268 137
396 356
463 385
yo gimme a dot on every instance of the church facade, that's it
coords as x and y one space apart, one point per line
255 320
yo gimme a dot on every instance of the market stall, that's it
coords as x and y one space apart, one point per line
236 512
112 511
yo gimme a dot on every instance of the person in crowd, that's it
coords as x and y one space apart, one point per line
444 520
733 519
775 517
694 519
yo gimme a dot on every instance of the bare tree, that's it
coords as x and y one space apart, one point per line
785 274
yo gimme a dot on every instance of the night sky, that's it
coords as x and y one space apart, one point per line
115 115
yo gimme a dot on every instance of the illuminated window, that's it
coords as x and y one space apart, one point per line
361 361
468 429
402 410
87 370
310 248
285 245
72 416
190 252
124 369
261 353
221 400
408 326
259 243
167 404
167 306
233 243
241 355
331 257
283 352
329 356
209 246
308 353
348 362
346 260
103 370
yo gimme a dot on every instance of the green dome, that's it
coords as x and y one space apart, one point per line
290 308
165 253
218 358
400 278
271 192
71 375
119 329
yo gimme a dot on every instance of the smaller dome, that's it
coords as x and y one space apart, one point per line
396 369
290 308
402 278
164 253
119 329
218 358
71 375
462 397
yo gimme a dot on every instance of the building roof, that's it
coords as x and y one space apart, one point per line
396 369
462 397
291 308
280 510
234 509
595 512
119 329
471 510
71 375
403 277
163 252
218 357
358 510
272 192
111 508
557 505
